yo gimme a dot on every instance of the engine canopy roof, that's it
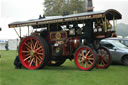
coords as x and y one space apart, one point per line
109 14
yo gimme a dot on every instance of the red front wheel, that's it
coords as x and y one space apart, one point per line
104 58
85 58
33 52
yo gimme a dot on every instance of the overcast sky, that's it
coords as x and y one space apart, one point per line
18 10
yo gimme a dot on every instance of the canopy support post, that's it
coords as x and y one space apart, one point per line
28 30
17 33
20 31
105 24
114 24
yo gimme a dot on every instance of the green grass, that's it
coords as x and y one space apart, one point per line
67 74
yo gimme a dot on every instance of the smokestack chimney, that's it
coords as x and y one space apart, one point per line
89 6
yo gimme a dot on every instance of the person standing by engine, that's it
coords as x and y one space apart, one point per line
6 46
0 49
88 33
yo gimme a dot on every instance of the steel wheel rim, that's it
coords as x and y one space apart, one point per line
103 58
125 60
31 53
84 60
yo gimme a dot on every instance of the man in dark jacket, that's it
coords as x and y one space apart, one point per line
0 30
88 32
17 63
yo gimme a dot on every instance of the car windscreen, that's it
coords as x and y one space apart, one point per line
118 44
126 42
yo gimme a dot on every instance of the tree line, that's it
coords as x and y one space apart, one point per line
63 7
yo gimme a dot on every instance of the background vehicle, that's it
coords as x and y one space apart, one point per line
0 30
118 51
125 42
61 37
122 40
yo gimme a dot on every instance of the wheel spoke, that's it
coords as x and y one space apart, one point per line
102 62
39 48
104 54
86 62
38 58
87 53
30 59
90 62
40 51
82 54
32 45
82 62
90 55
31 62
28 49
102 51
36 62
27 45
40 54
41 57
99 53
27 55
90 58
105 61
35 45
98 62
79 57
25 51
27 58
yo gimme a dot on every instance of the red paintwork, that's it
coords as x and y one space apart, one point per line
77 58
102 58
22 55
70 43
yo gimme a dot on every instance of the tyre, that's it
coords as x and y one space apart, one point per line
33 52
17 63
57 62
85 58
104 58
125 60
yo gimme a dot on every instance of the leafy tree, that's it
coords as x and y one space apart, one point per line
76 6
53 7
122 29
59 7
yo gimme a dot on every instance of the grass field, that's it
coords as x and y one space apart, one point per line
67 74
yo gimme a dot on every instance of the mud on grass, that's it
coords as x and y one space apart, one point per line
67 74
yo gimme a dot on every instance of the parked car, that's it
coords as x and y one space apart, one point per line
118 51
125 42
122 40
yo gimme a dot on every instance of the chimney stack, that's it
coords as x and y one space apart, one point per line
89 6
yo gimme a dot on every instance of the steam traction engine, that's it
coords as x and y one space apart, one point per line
74 36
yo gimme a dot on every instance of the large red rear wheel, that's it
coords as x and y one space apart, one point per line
85 58
33 52
104 58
